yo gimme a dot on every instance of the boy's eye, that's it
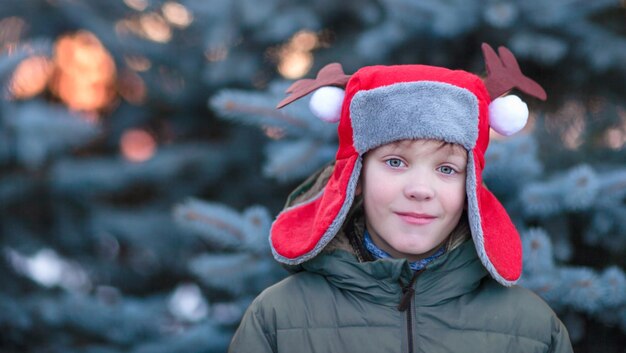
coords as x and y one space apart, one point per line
446 170
394 163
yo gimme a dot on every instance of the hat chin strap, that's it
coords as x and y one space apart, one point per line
497 241
302 231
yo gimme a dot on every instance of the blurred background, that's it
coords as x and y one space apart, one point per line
142 160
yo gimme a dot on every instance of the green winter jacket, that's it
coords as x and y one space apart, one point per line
339 304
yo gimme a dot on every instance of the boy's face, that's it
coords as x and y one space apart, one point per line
413 195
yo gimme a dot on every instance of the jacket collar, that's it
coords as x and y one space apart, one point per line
451 275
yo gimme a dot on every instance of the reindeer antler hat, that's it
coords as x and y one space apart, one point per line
382 104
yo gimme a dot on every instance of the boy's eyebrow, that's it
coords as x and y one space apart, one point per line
458 151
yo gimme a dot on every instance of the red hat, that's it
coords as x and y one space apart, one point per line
383 104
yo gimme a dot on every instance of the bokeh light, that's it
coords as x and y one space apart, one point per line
304 41
85 73
151 26
295 58
138 62
216 54
155 28
177 14
137 145
49 269
132 87
273 132
295 64
30 77
570 121
138 5
572 137
615 138
188 303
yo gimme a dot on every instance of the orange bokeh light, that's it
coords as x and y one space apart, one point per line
137 145
295 58
30 77
85 74
304 41
295 64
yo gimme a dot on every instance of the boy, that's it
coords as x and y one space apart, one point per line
398 247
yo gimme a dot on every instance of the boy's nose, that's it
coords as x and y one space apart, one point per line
420 191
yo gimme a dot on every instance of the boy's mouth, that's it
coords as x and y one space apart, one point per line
416 218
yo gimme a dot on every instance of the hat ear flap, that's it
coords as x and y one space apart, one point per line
508 115
326 103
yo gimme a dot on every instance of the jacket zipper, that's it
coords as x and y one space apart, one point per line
408 292
409 327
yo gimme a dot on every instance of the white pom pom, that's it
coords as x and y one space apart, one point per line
326 103
508 115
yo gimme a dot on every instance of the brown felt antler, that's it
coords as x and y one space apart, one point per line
504 74
329 75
